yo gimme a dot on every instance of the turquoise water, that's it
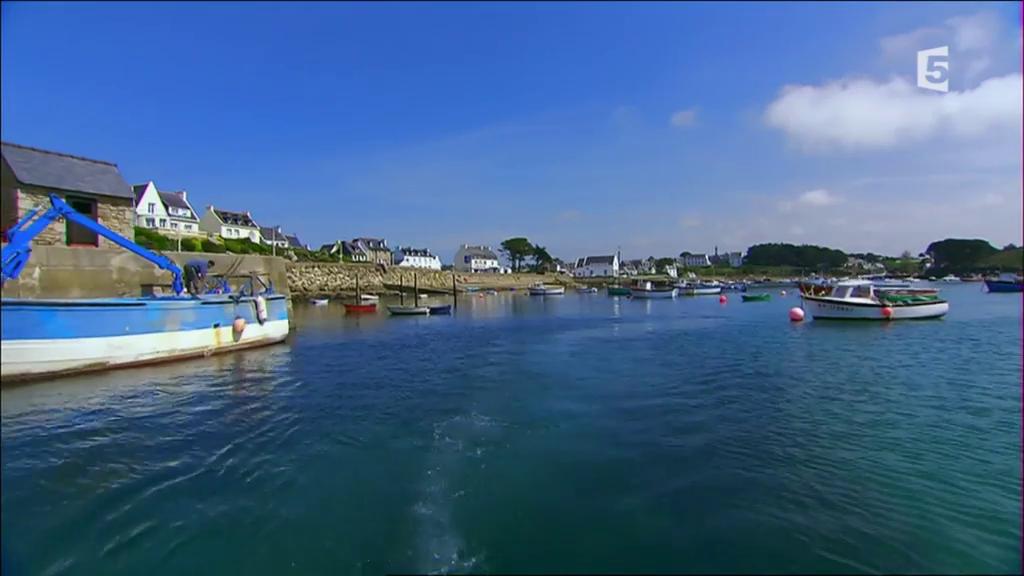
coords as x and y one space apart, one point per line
559 434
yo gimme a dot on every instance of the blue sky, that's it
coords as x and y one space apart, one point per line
652 127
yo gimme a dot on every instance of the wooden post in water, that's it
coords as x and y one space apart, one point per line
415 289
401 288
455 300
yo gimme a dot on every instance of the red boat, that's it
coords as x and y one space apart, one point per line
371 307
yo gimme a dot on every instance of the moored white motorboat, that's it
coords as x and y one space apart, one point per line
587 290
709 289
858 300
369 298
949 278
541 289
646 289
319 301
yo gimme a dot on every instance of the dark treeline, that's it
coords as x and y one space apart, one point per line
804 256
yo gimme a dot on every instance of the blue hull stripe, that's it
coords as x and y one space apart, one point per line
54 319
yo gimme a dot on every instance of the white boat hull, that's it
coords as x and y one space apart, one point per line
26 358
837 309
547 291
652 294
700 291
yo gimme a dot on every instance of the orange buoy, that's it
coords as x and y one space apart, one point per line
887 312
796 314
238 325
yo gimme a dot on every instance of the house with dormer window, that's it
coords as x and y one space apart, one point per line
230 225
167 212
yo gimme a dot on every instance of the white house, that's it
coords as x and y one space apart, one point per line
672 271
589 266
230 225
167 212
695 260
735 259
416 258
476 259
273 236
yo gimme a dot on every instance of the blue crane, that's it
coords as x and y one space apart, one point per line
16 254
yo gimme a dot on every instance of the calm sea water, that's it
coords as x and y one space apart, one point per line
560 434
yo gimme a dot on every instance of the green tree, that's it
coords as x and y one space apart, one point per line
661 263
517 250
541 258
957 255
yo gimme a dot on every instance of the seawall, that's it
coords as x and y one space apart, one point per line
64 272
327 279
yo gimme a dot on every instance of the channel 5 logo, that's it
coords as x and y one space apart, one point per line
933 69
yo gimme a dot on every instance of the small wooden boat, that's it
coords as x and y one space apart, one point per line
857 300
587 290
541 289
440 309
1005 283
618 291
360 307
647 289
319 301
762 297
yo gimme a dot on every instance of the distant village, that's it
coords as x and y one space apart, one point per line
168 220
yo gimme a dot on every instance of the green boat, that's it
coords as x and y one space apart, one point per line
618 291
762 297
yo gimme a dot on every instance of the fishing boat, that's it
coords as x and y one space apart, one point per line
54 337
890 283
762 297
319 301
541 289
1005 283
587 290
440 309
369 298
360 306
618 291
972 278
647 289
858 300
949 278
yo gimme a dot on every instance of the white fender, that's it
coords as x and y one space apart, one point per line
261 309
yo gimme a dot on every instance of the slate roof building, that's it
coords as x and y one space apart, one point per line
230 225
476 259
167 212
94 187
590 266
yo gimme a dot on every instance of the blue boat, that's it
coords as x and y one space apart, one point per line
440 309
1005 283
52 337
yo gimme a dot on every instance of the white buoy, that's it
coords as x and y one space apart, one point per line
796 314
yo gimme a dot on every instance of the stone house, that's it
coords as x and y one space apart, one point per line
94 187
470 258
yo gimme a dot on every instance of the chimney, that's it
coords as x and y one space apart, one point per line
184 195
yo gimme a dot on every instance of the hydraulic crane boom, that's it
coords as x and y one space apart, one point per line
19 250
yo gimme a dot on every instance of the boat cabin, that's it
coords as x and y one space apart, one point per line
854 289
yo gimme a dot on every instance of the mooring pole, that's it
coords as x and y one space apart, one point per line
455 300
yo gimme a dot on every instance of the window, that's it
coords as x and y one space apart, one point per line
163 222
188 227
174 225
75 234
151 208
150 222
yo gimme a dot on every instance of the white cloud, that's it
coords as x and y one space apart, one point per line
683 118
976 32
864 114
816 198
819 197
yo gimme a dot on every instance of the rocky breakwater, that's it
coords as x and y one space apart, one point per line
326 279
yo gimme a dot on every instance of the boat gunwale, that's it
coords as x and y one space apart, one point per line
844 302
